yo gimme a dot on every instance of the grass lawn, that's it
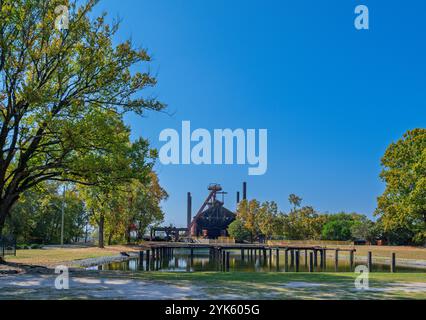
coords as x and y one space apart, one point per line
214 286
52 256
296 285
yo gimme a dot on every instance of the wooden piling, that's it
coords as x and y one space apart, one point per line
242 254
311 262
264 255
393 263
370 261
336 260
315 258
351 260
291 258
270 257
286 260
297 260
227 261
223 261
147 259
321 259
324 266
278 259
306 258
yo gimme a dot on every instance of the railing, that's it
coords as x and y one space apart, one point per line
309 242
220 240
7 247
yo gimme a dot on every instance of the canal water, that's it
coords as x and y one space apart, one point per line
201 261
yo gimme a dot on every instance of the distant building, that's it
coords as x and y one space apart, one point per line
213 222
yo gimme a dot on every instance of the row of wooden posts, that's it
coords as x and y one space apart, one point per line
291 258
155 256
221 256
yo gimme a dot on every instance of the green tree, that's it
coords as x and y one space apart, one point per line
303 224
266 218
238 231
402 206
37 216
115 209
295 200
62 97
365 229
341 225
247 212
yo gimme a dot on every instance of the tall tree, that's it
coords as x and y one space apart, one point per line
62 94
37 216
303 224
295 200
247 212
266 218
403 203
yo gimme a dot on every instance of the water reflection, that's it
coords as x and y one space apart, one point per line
201 261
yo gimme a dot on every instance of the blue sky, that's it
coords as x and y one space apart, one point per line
332 97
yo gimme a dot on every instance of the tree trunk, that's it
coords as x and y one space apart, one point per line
6 205
1 227
101 231
110 239
86 234
128 234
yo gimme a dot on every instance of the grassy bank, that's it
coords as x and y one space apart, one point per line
402 252
54 256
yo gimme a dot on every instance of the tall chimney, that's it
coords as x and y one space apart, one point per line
244 190
189 210
238 197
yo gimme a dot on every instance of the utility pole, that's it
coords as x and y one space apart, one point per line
63 214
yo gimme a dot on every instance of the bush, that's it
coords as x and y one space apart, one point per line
238 231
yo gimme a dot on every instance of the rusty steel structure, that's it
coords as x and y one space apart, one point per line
210 222
212 219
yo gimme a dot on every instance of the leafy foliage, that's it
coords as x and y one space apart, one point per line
264 220
37 216
238 231
62 97
402 206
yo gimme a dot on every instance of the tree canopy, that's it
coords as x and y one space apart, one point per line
63 93
403 203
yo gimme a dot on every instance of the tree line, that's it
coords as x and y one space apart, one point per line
400 214
257 221
63 95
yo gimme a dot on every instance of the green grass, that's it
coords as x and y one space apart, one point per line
268 277
238 285
54 256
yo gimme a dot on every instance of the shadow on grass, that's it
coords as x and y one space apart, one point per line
240 285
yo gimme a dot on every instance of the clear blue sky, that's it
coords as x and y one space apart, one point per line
332 98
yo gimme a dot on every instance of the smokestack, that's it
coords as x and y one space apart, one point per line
238 197
244 190
189 210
